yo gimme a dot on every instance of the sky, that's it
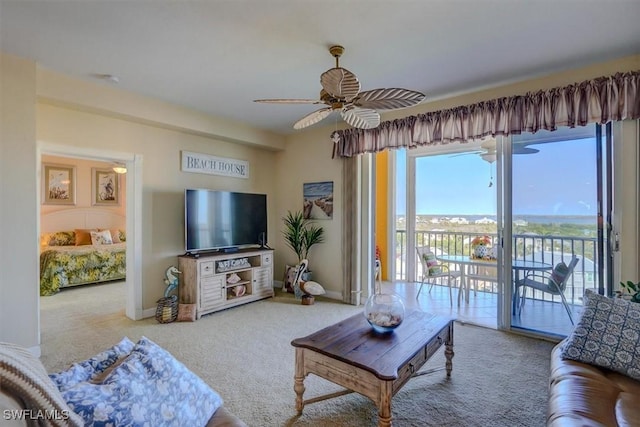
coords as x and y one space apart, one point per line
558 180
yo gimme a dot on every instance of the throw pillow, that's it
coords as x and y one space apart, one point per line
88 369
22 375
558 275
150 387
115 235
83 236
607 335
62 238
101 237
186 312
432 263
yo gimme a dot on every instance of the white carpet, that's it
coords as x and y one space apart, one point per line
244 353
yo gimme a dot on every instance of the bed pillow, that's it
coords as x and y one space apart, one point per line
83 236
607 335
89 369
101 237
115 235
159 390
60 238
24 376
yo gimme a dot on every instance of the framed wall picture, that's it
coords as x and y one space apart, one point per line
59 184
105 187
318 200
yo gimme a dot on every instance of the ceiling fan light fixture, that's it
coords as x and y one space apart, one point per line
488 157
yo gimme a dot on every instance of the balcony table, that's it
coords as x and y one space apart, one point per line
465 261
517 265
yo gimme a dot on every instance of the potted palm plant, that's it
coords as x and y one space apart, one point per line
301 234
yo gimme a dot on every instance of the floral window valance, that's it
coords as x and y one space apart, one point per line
600 100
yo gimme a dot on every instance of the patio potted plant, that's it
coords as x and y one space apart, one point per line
480 247
300 234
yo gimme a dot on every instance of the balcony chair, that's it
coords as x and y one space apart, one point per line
433 270
552 282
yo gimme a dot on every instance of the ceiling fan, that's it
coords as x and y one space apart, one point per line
341 92
488 150
488 153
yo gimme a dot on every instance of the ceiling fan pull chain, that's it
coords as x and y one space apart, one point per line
490 176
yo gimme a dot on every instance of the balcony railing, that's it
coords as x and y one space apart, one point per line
548 249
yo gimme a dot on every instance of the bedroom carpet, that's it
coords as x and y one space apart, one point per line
244 353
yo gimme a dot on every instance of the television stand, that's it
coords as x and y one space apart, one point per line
217 281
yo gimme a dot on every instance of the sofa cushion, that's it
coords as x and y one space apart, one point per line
89 369
149 387
24 377
582 394
607 335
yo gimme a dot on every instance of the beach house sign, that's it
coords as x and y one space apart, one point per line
212 165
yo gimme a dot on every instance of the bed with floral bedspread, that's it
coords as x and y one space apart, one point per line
71 265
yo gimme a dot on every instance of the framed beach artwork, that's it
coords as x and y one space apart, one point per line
59 184
105 187
318 200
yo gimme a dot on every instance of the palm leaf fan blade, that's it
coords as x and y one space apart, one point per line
388 99
340 83
361 118
313 118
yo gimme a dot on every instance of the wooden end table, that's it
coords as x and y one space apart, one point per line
351 354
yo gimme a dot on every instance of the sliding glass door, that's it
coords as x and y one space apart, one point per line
555 201
541 200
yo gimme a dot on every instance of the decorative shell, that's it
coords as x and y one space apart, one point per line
234 278
312 288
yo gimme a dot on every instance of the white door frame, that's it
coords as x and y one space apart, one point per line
133 162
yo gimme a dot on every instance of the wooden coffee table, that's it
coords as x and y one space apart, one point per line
352 355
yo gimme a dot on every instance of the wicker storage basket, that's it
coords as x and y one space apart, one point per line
167 310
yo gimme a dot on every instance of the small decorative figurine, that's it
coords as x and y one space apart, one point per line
171 280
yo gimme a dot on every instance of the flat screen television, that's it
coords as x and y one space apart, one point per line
217 220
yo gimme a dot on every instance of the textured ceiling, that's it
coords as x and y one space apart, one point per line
218 56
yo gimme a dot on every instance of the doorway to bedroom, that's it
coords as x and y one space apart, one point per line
82 224
79 190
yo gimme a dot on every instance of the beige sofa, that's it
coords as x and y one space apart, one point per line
28 397
583 395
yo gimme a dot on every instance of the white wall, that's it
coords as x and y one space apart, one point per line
163 181
18 207
307 158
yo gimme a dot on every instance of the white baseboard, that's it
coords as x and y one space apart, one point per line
149 312
330 294
333 295
35 350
